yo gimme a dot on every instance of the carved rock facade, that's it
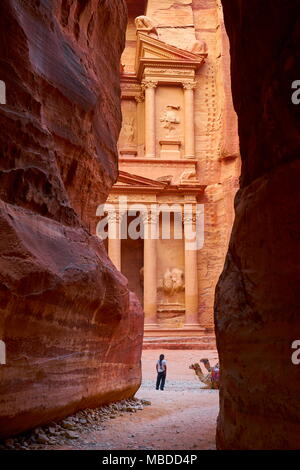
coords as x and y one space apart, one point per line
179 146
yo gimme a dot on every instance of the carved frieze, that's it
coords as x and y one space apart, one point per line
169 71
170 119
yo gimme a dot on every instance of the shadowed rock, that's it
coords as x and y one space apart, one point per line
72 331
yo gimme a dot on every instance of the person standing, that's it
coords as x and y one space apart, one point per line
161 369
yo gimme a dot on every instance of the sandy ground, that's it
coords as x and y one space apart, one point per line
183 416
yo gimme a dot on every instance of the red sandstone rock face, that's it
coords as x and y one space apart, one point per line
73 334
257 297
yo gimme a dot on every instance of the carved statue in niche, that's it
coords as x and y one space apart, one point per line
146 25
177 280
170 120
167 282
128 131
172 281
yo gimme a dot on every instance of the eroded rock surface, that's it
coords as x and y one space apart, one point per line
72 331
257 298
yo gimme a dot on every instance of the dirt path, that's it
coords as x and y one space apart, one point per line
181 417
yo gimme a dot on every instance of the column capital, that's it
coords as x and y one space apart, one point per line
139 98
149 83
189 85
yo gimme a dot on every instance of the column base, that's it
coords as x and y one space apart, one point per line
170 149
189 156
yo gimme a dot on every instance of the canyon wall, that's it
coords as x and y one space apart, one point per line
257 297
72 330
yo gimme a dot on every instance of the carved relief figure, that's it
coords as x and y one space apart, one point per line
199 47
188 176
167 282
146 25
165 179
172 282
177 280
128 131
170 120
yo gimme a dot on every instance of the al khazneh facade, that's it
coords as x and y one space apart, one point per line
178 145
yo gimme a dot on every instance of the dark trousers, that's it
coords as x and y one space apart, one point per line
160 382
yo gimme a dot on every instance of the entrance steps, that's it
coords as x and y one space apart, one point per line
180 342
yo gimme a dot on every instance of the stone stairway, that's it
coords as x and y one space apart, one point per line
199 342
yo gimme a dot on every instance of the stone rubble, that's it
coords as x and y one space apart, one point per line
70 428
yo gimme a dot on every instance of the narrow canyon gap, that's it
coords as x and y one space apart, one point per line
257 297
73 332
72 329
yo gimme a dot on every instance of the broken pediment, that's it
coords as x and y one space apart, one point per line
132 183
130 180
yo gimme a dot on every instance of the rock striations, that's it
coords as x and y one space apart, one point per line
72 330
257 298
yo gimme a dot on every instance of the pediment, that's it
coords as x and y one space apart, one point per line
130 179
136 184
152 51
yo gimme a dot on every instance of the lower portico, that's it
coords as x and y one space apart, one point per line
152 227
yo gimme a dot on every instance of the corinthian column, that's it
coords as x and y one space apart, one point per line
150 278
189 118
191 277
150 140
114 241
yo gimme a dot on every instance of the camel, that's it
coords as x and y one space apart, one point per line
211 380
